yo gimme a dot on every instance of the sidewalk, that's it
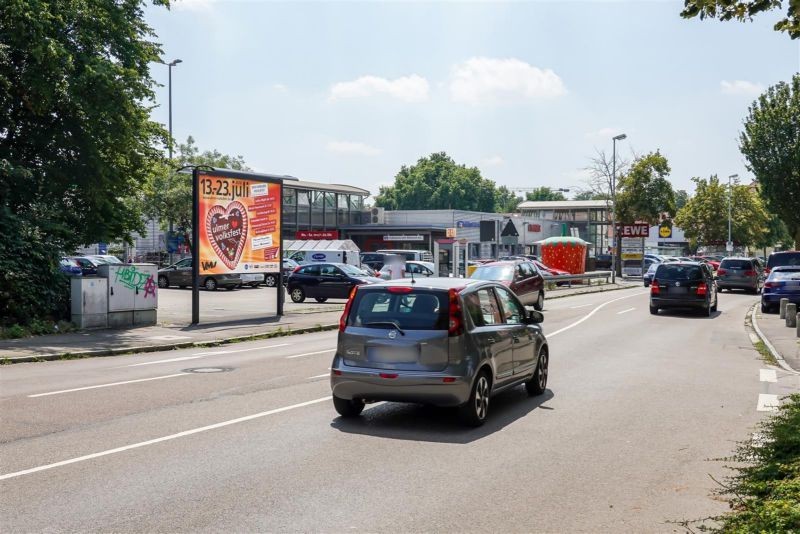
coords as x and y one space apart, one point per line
782 338
166 337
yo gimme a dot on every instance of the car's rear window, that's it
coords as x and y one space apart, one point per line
736 264
679 272
783 258
494 272
785 275
417 310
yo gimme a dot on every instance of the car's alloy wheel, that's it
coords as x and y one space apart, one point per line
539 306
298 295
210 284
474 412
163 283
538 382
270 280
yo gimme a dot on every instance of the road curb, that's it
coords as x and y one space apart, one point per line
770 347
166 347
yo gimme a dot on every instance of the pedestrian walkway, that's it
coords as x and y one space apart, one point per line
784 339
167 336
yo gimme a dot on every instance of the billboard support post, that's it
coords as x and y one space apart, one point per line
195 248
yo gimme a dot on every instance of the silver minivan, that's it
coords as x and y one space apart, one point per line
740 273
441 341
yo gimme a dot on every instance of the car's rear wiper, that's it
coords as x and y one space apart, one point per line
384 323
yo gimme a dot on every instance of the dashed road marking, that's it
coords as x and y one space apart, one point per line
625 311
105 385
319 376
163 361
581 306
215 352
589 315
310 353
768 375
767 403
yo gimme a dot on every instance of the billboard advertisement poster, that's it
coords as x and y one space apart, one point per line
239 227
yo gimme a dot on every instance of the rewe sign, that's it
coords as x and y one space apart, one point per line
634 230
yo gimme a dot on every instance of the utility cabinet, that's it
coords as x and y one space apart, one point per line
132 293
89 302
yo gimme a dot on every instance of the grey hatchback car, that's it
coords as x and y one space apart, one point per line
740 273
441 341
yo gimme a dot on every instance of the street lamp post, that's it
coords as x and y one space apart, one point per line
729 244
169 146
614 245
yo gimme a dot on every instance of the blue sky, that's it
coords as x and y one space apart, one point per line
345 92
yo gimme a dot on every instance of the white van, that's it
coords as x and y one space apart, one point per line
304 257
410 255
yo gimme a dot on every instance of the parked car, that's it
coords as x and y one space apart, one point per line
413 269
786 258
782 283
374 260
544 269
441 341
740 273
369 271
103 259
70 267
251 279
648 276
323 281
180 274
288 266
410 255
602 262
522 277
683 285
87 265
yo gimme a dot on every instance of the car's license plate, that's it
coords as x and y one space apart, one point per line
679 290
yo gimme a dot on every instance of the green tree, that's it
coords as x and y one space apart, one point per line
745 10
545 193
76 139
644 193
590 195
168 194
771 144
438 182
776 234
704 219
505 200
681 198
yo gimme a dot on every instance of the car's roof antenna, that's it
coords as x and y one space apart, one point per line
412 277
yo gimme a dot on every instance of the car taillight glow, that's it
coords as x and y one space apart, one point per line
388 375
449 379
337 372
400 289
767 270
770 284
750 273
702 289
346 312
721 271
654 288
456 326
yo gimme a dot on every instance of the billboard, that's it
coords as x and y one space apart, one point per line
239 224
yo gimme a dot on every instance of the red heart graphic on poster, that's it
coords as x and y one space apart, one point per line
226 229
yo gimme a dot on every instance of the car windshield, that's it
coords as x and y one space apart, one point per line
785 275
494 272
679 272
413 310
349 269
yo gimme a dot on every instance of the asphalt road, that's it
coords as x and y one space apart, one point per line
624 439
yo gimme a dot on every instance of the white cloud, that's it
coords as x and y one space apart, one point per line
481 79
352 148
741 87
412 88
279 87
493 161
193 5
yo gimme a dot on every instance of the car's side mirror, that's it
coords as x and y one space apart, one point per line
534 317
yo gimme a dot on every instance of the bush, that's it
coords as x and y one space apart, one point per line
766 489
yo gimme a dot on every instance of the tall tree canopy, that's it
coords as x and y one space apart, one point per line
505 200
545 193
76 139
771 144
644 192
744 10
704 219
438 182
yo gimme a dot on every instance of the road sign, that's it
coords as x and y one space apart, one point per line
634 230
450 232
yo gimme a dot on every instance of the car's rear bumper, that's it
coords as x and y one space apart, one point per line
775 298
399 386
678 303
737 284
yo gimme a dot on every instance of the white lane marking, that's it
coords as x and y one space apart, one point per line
309 353
105 385
767 375
163 361
319 376
581 306
159 440
215 352
588 315
625 311
767 403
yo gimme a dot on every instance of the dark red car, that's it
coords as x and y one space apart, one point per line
522 277
549 270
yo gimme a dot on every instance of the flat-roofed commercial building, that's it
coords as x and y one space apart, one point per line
588 219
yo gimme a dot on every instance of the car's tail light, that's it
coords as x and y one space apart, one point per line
750 273
769 285
655 289
767 270
721 272
456 324
449 379
346 312
702 289
388 375
400 289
